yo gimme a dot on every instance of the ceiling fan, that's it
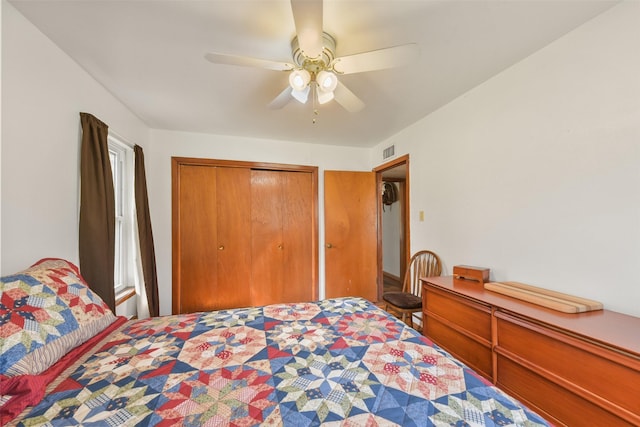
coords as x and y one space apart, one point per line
315 68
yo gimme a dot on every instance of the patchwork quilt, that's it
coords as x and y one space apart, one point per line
333 362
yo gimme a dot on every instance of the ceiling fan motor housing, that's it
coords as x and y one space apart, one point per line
315 65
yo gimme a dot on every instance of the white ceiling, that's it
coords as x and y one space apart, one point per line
149 54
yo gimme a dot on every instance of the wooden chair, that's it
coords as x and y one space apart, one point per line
409 301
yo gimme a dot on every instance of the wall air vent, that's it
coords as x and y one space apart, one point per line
389 151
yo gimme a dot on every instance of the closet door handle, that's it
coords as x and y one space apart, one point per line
280 246
329 245
221 248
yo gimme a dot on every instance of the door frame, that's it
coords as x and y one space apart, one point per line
405 245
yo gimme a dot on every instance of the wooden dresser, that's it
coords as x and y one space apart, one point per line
573 369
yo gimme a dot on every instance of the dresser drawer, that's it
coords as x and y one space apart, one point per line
465 314
460 326
598 374
476 355
556 404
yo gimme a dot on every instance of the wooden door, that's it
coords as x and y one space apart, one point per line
266 237
351 227
299 245
233 244
212 233
281 225
195 236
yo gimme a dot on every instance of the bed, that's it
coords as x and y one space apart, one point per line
332 362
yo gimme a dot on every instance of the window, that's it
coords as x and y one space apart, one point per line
122 163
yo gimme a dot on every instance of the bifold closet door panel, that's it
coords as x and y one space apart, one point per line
197 237
281 230
267 246
297 231
214 238
233 243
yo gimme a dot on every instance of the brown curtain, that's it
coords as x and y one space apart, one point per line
97 210
147 252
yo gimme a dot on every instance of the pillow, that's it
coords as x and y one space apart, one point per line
46 311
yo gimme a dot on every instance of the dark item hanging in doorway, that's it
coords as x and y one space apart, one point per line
389 194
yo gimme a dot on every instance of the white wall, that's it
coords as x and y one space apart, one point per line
43 92
536 173
167 144
392 235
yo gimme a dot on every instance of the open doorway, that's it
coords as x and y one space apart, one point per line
393 223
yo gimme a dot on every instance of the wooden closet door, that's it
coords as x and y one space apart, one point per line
195 271
233 189
282 223
298 247
213 233
267 246
244 234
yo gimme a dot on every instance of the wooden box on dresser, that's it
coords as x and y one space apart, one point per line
574 369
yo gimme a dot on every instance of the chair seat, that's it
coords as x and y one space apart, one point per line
403 300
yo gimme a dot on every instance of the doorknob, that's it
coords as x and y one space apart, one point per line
280 246
221 248
329 245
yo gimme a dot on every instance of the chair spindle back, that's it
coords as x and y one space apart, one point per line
422 264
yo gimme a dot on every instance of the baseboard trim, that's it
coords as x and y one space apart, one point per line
391 278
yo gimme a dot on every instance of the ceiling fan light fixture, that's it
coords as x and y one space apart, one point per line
324 97
327 81
301 95
299 79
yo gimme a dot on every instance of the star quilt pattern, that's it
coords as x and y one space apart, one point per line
46 311
333 362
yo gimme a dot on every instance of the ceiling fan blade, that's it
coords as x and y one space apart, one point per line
281 100
347 99
247 61
307 15
380 59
